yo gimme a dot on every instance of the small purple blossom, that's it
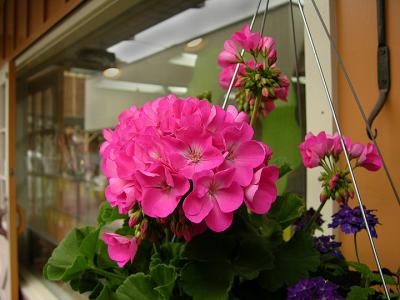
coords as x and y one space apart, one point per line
351 220
313 288
326 244
305 219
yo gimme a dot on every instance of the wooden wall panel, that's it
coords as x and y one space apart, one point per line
36 16
22 21
357 42
9 28
2 36
54 8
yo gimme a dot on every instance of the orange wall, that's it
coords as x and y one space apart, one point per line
357 42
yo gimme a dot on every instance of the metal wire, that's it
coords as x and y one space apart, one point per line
264 19
357 100
333 111
298 92
241 53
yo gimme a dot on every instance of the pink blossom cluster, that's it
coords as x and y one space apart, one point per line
324 150
257 77
184 159
315 148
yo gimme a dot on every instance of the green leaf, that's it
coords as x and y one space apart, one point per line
89 245
207 280
287 209
210 246
103 261
293 261
85 283
164 276
359 293
137 286
284 168
105 294
108 214
67 260
369 275
255 254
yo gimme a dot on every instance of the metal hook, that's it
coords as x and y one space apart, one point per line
383 67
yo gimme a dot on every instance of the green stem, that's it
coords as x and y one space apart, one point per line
255 111
314 217
356 247
108 274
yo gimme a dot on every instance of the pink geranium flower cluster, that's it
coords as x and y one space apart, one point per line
315 149
186 160
257 77
324 150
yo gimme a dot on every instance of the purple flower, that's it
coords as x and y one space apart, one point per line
351 221
305 219
313 288
327 244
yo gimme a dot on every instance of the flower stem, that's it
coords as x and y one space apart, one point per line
255 111
315 216
355 247
108 274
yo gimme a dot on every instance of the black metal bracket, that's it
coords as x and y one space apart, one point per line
383 67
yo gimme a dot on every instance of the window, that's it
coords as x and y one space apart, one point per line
67 97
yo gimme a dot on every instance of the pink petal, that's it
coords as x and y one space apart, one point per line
217 220
159 204
250 154
197 208
230 199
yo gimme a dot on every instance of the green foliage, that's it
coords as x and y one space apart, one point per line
360 293
287 209
294 260
207 280
369 276
69 258
137 286
108 214
164 276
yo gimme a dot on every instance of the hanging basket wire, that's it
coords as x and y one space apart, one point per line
332 109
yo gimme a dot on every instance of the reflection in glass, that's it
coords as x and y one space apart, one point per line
66 101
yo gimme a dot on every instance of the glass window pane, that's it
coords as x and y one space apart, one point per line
2 105
2 152
65 101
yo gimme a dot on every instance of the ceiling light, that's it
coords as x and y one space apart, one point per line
193 22
179 90
111 72
131 51
130 86
184 59
194 43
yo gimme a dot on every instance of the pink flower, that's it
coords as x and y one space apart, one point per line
243 153
246 39
267 48
268 107
161 191
229 55
192 151
238 117
315 148
121 249
226 75
214 199
336 144
262 191
122 193
370 158
354 150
